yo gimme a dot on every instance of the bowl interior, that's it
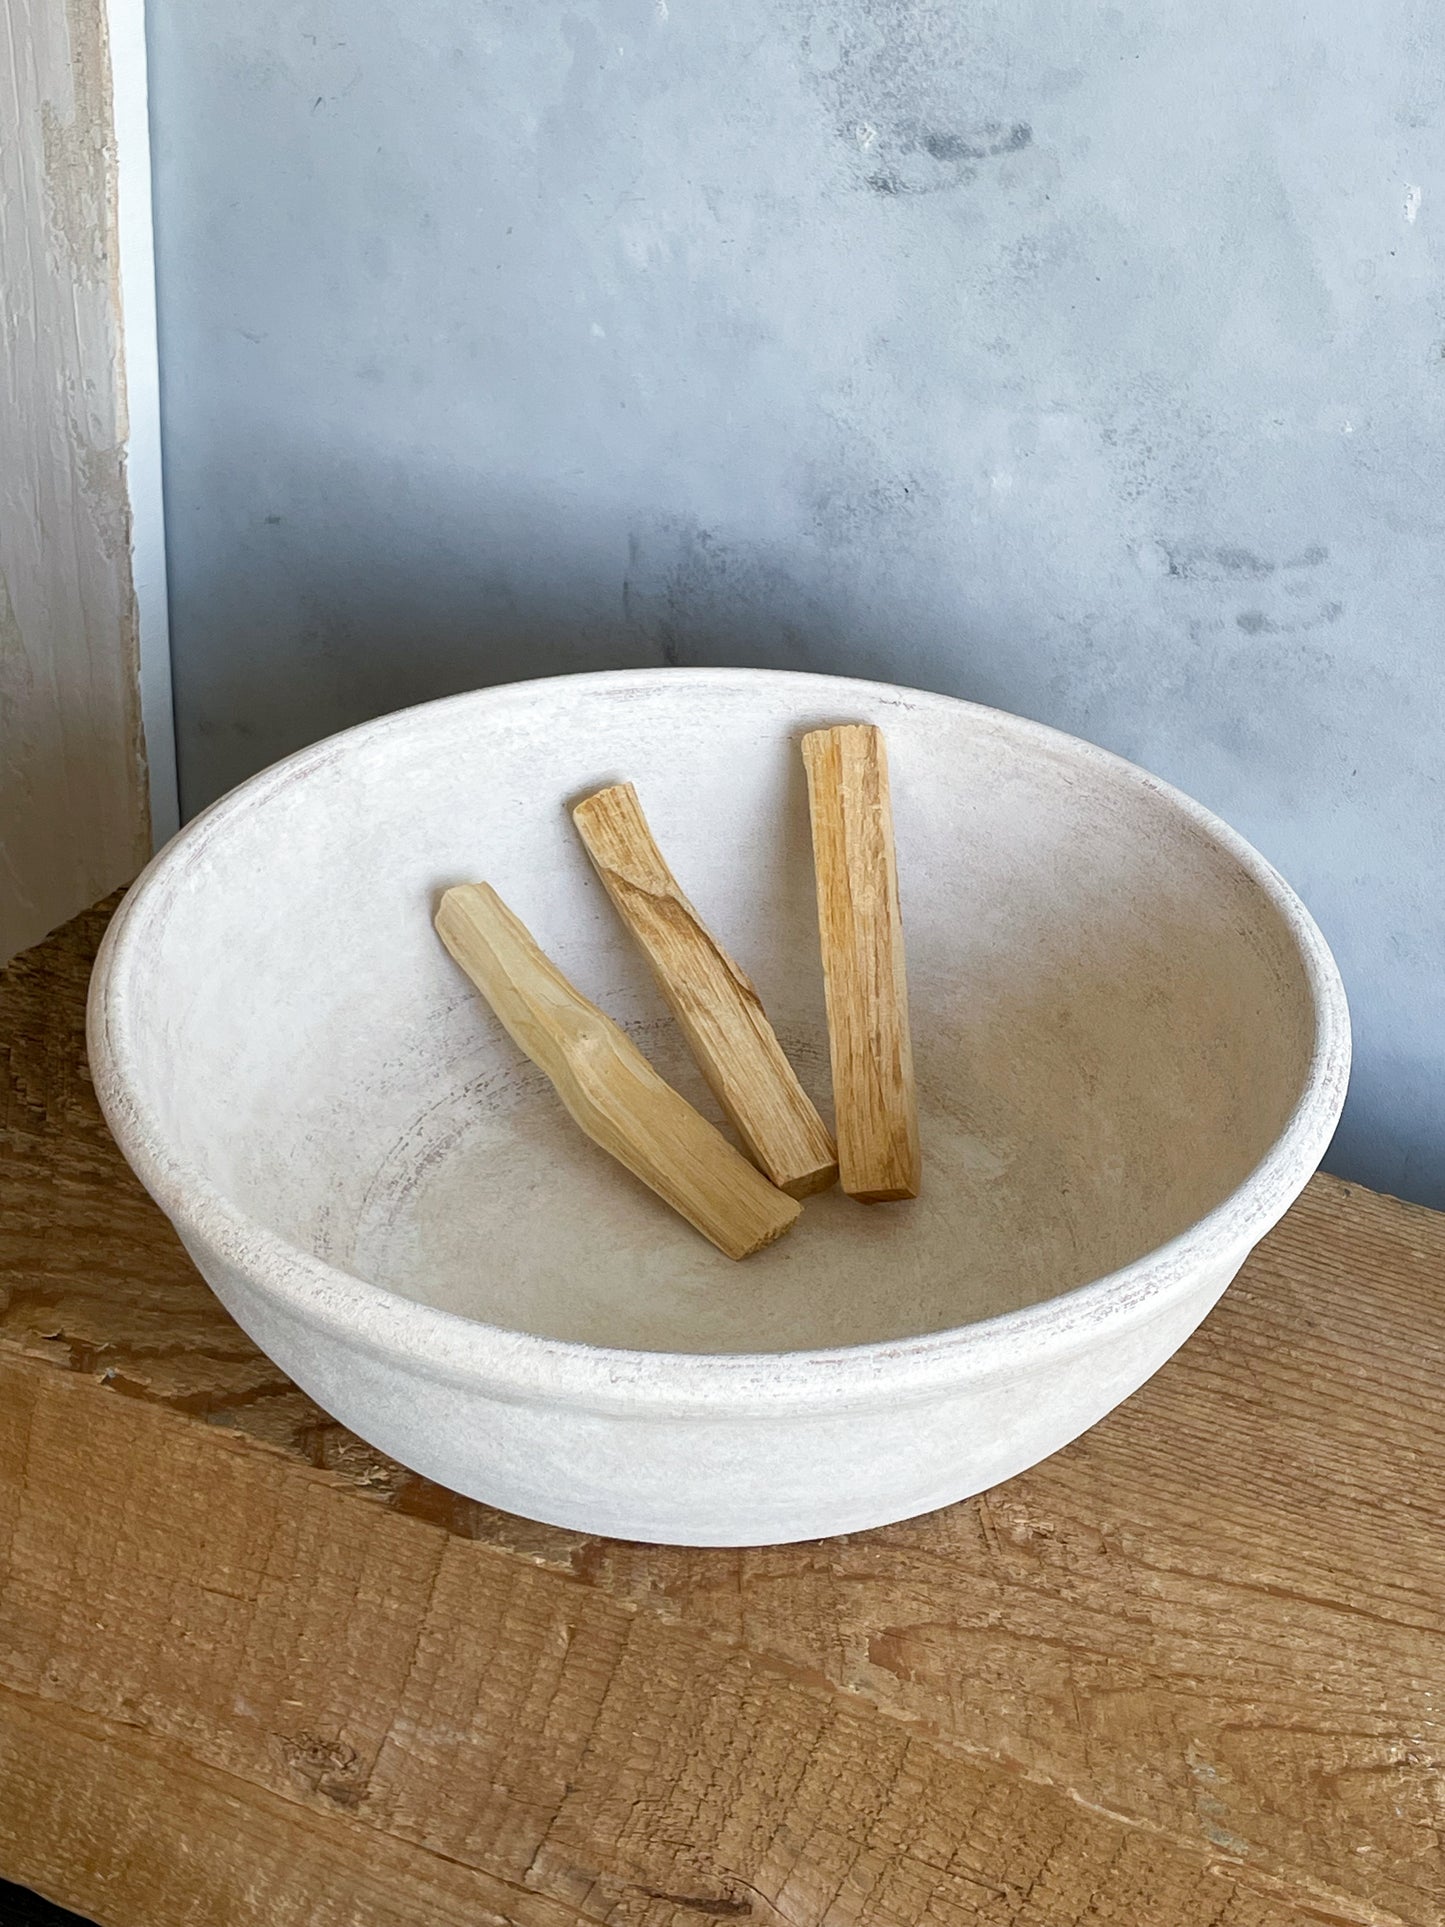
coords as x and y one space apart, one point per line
1112 1020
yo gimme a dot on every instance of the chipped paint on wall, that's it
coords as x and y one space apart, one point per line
73 810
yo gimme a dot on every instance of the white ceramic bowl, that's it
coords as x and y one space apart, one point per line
1131 1042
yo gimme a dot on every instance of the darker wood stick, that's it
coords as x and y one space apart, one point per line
860 928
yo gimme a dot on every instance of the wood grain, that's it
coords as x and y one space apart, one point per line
860 929
74 812
714 1001
1187 1671
607 1085
413 1719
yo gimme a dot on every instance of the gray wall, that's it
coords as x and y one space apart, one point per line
1086 360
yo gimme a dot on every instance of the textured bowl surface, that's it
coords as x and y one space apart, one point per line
1131 1045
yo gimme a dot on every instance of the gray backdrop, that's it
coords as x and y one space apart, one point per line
1087 360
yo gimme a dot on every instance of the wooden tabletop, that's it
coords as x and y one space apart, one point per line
1190 1671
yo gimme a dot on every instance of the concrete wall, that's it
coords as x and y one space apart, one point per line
1087 360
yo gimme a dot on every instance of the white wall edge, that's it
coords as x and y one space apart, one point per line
131 108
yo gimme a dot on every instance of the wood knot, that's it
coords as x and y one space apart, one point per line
328 1767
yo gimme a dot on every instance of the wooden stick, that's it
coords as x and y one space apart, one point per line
716 1006
861 931
606 1083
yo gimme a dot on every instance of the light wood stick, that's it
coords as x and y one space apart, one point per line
606 1083
861 932
715 1004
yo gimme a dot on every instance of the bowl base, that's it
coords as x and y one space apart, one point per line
493 1205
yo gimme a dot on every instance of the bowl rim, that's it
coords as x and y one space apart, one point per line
526 1365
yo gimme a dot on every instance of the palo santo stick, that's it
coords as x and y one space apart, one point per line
717 1008
861 931
606 1083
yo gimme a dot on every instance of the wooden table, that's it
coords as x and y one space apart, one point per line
1190 1671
